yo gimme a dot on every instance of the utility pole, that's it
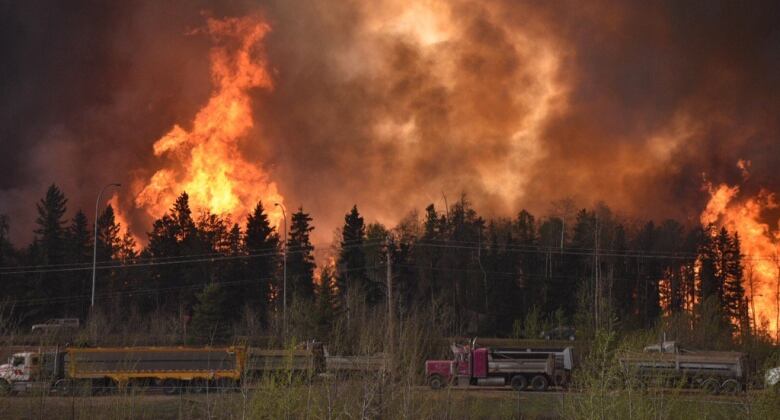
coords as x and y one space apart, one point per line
284 271
95 234
390 316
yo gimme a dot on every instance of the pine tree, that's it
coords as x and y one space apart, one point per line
262 244
51 232
79 251
50 248
325 309
734 301
234 270
172 236
351 264
300 258
109 240
209 320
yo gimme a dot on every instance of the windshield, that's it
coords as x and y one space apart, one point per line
17 361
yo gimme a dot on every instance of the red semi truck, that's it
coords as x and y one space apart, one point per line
534 369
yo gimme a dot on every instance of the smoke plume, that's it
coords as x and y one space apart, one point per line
390 104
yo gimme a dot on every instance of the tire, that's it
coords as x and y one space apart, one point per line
519 382
540 383
711 386
63 387
5 388
171 387
197 386
436 381
730 387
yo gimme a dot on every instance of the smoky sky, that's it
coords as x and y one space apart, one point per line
393 105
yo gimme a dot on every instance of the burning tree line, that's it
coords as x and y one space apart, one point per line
508 277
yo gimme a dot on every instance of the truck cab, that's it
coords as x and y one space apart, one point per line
442 372
26 370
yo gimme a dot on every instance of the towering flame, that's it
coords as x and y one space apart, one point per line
206 161
760 245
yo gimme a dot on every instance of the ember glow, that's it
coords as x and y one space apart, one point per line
759 245
206 161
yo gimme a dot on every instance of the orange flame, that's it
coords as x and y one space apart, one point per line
759 246
206 161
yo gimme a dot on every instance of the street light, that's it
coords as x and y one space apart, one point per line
94 249
284 270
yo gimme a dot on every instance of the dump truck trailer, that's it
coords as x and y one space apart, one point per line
94 370
668 364
533 369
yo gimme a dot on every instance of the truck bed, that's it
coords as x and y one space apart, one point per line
151 361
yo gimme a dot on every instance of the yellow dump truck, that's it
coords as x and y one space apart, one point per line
96 370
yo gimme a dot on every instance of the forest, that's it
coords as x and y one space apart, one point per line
465 274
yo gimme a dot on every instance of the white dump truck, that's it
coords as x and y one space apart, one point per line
668 364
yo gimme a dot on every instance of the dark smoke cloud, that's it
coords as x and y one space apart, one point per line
366 110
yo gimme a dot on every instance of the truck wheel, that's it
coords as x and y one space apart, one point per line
539 383
5 388
711 386
730 386
436 382
519 382
197 386
171 387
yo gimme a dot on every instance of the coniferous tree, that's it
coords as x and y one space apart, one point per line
109 239
109 243
234 271
375 249
647 273
51 232
300 258
351 264
325 309
530 279
209 323
262 246
734 301
173 236
50 247
428 251
79 251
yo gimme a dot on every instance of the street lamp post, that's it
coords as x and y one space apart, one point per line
284 271
94 249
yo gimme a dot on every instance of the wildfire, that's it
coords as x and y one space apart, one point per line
206 161
759 245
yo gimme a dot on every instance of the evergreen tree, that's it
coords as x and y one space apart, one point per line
325 313
79 239
172 236
79 251
51 232
351 264
708 259
262 244
300 258
109 240
734 301
647 272
209 321
50 249
234 271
